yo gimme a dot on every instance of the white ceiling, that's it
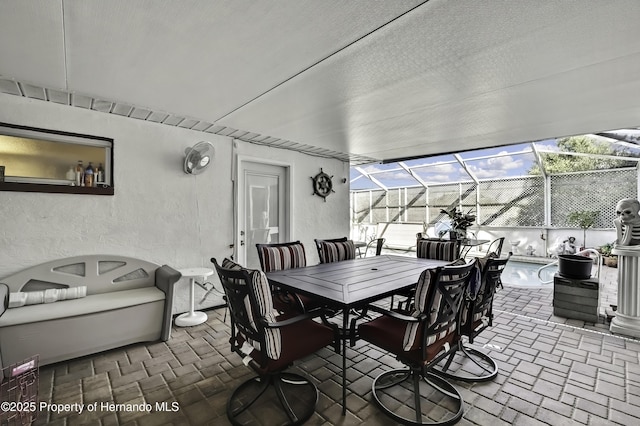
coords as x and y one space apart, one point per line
364 80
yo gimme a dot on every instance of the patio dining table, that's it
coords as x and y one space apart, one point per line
352 284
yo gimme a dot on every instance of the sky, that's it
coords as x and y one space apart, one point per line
490 163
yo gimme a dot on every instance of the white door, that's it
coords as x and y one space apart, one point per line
262 209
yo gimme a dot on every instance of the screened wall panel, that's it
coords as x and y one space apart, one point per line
513 202
393 197
416 204
442 197
594 191
520 185
508 202
361 207
468 197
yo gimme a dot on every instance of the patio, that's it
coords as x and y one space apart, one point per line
335 92
553 371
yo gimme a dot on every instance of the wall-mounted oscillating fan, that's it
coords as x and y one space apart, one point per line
198 157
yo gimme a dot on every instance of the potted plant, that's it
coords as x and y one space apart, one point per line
585 219
460 222
608 259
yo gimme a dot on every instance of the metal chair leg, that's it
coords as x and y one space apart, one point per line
470 365
417 395
298 403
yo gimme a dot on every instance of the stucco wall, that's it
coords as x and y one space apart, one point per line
158 213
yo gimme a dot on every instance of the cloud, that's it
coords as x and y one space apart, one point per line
372 168
548 145
395 175
443 172
379 172
496 166
506 162
487 174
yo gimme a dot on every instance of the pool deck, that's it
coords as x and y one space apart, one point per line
537 301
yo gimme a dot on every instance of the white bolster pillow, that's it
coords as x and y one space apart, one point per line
51 295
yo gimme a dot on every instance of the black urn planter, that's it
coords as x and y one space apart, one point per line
573 266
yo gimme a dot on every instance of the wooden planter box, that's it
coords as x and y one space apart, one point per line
576 298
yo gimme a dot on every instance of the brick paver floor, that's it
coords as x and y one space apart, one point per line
553 371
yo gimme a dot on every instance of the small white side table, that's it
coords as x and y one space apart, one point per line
193 317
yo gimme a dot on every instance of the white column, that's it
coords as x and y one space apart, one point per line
627 319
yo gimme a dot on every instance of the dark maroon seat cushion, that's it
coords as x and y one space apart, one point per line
388 332
298 340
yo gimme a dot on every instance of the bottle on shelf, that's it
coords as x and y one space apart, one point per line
79 174
100 174
71 175
88 176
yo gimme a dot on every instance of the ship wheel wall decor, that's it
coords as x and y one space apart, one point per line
322 185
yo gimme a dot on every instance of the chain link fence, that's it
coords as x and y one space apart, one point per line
505 202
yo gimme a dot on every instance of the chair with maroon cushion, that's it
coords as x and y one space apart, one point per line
429 248
420 339
280 256
466 363
269 344
335 250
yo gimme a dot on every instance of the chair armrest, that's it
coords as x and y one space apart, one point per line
394 314
292 320
166 277
385 312
304 317
288 321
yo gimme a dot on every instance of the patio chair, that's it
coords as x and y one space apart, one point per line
420 338
477 315
280 256
269 344
378 243
496 246
335 250
430 248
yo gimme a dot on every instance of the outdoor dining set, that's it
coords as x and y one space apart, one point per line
425 311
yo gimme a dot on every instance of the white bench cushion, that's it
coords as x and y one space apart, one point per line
85 306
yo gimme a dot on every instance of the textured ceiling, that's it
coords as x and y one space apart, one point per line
356 80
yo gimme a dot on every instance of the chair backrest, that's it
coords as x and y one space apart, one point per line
478 315
250 304
438 301
335 250
437 249
379 242
496 246
279 256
